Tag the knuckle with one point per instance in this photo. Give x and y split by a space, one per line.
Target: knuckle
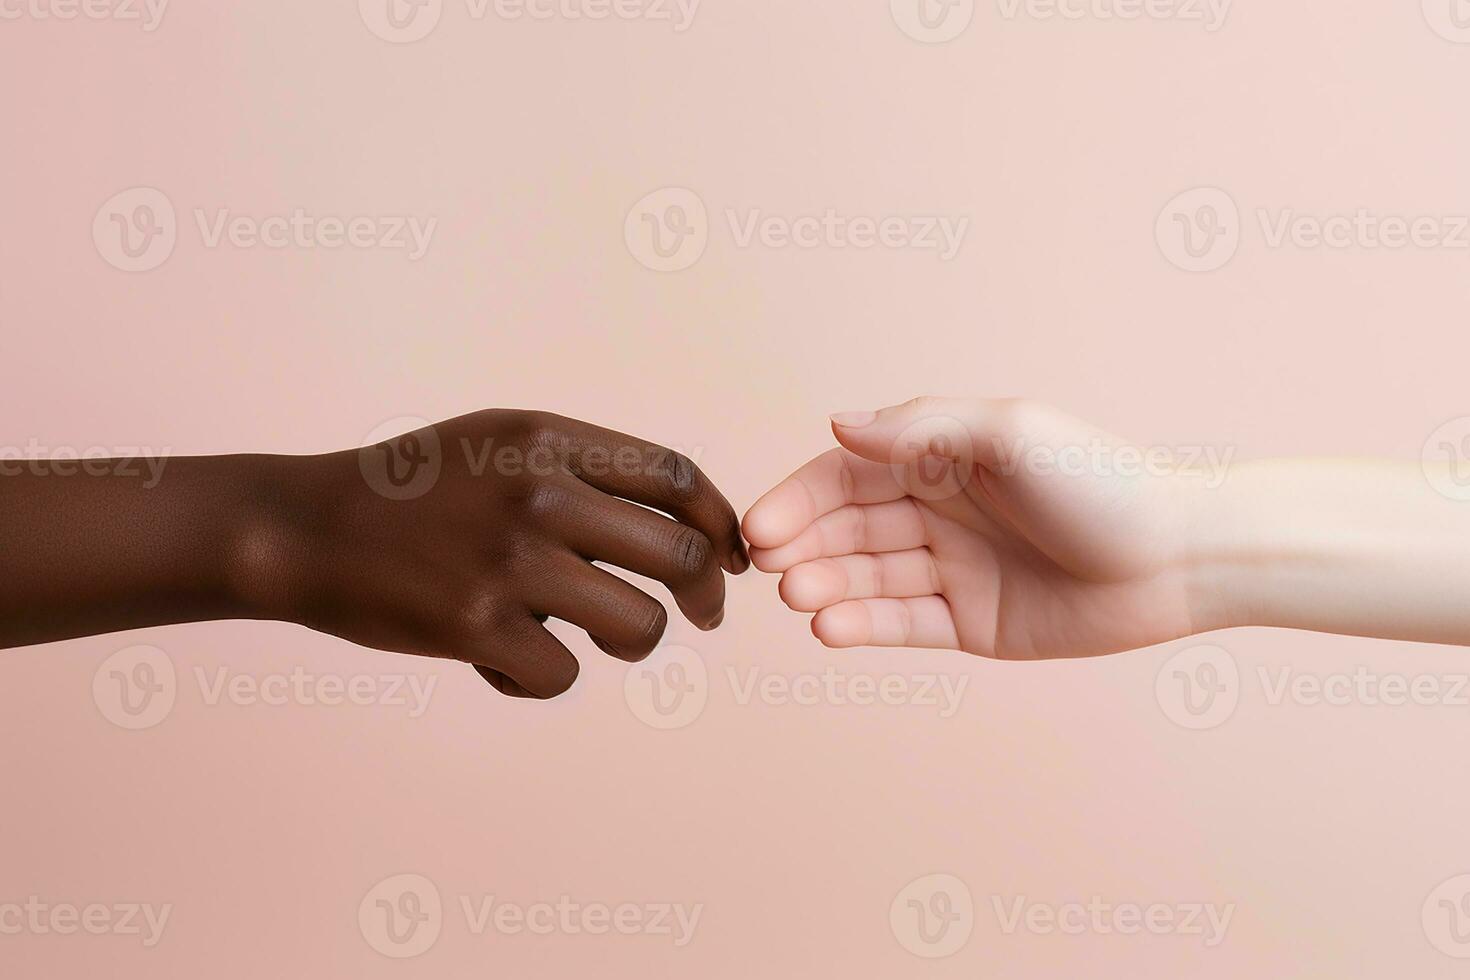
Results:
488 420
1013 417
905 621
680 477
546 501
925 405
541 430
859 518
878 573
517 551
845 475
1020 412
648 625
480 611
693 555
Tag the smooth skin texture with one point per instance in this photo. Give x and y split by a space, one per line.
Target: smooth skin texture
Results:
467 563
1008 529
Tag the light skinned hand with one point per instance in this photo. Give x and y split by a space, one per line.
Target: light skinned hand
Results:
1008 529
927 528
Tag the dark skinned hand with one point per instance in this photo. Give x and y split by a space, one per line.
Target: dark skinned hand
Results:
457 540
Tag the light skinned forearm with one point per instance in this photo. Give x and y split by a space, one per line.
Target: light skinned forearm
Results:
1359 547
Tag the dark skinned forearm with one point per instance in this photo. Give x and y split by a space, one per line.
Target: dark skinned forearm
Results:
121 544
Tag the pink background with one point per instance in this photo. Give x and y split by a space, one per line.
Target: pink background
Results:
794 825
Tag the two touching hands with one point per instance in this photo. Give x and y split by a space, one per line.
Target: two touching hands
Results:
999 527
910 533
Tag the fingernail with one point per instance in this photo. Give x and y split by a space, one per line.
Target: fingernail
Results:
720 618
854 420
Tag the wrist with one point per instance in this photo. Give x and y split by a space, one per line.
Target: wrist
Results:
1224 554
269 537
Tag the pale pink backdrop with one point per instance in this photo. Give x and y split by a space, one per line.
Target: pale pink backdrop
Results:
795 826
